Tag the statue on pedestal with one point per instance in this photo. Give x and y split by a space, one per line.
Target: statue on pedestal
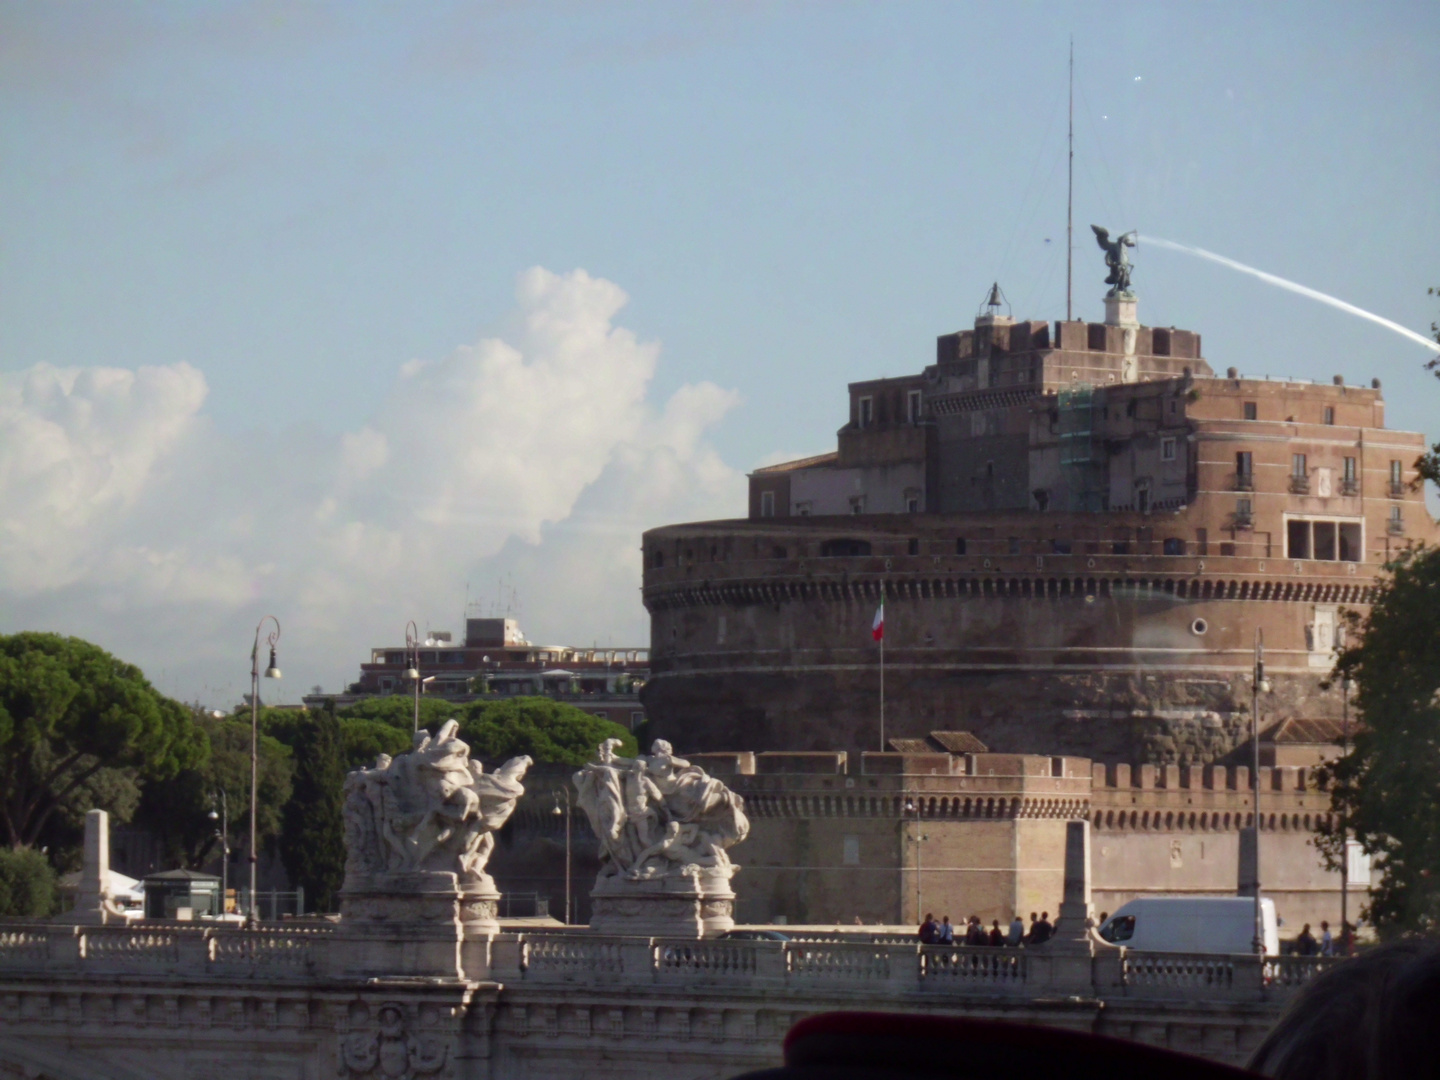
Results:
419 830
1116 259
664 826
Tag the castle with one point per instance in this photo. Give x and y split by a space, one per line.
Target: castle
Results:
1077 530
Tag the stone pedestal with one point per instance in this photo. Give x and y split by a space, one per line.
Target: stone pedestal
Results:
679 905
1120 310
94 905
401 925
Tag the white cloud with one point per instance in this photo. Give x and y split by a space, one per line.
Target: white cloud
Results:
125 517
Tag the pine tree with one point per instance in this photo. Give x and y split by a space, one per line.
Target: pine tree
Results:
312 844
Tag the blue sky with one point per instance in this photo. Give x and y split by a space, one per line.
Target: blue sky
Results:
296 201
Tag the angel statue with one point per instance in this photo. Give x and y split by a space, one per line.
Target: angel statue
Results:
659 816
1116 259
431 809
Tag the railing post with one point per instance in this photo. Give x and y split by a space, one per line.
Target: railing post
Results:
637 959
505 956
195 951
66 946
770 960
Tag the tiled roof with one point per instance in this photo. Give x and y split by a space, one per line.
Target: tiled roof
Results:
801 463
911 746
1297 729
958 742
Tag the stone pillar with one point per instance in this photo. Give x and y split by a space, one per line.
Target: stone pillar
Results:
93 905
1073 922
1248 878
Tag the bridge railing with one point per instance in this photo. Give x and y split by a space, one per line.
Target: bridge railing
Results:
843 966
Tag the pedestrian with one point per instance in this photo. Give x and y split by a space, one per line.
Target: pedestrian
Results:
975 933
1305 942
928 930
1043 929
946 933
1017 931
997 936
1327 940
1030 934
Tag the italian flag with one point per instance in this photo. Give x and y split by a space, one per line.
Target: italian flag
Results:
877 628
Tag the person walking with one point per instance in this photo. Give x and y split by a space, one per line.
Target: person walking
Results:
1017 931
997 936
1305 941
975 932
1034 925
1043 929
1327 940
946 933
928 930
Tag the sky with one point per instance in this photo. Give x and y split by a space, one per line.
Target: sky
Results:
353 313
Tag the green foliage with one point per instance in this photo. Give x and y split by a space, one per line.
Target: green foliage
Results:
1385 791
398 711
362 741
27 884
312 844
177 809
78 726
547 730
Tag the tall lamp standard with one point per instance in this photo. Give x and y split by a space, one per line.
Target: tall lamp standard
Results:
1261 685
566 811
224 835
252 917
1345 685
412 653
912 806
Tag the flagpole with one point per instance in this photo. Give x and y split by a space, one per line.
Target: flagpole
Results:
882 680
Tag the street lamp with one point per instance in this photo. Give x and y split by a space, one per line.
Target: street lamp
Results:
566 812
1261 685
912 807
1345 684
412 653
224 836
252 917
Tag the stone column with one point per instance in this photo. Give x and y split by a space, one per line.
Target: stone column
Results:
93 905
1248 876
1073 922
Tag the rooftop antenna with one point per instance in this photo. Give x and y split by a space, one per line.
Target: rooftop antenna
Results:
1070 188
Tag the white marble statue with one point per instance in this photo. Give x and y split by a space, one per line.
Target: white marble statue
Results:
659 816
431 809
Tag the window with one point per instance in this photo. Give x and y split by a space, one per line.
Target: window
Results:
1120 928
1250 410
767 504
1323 540
959 545
912 546
1397 479
1202 542
912 406
1350 469
1350 542
1060 547
850 850
1142 499
779 552
1357 864
1120 547
857 504
1297 540
1244 508
912 505
387 685
1244 463
844 549
867 411
1167 448
1174 546
803 509
1329 414
1160 342
601 714
1227 549
1297 464
1397 523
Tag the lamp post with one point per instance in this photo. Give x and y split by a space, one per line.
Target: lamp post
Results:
252 917
1259 686
1345 685
566 812
412 653
912 806
224 835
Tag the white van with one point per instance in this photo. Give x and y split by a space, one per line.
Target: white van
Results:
1198 924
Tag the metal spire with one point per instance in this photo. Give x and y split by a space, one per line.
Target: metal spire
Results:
1070 188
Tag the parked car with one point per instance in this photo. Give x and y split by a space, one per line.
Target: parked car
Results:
753 935
1192 924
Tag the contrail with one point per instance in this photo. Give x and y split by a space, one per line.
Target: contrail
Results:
1303 290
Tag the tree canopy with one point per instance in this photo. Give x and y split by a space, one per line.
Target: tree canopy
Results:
79 726
312 844
547 730
1385 791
